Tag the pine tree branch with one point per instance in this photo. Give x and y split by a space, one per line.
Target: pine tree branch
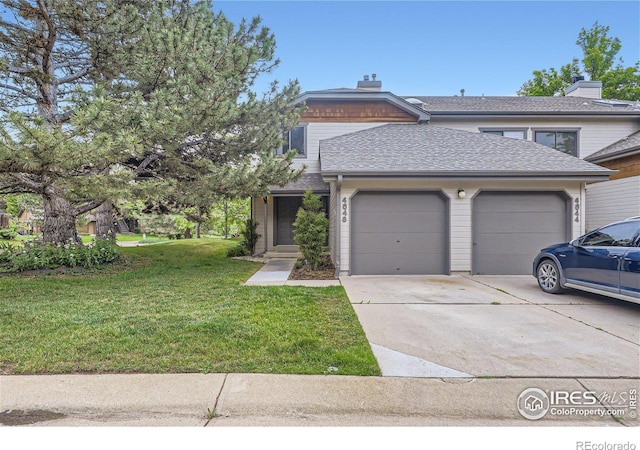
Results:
19 90
88 207
27 182
73 77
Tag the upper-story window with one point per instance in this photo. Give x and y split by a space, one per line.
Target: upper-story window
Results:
511 133
295 139
564 141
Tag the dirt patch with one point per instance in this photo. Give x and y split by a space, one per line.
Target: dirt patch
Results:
19 417
301 271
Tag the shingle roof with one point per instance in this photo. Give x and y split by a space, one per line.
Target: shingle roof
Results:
306 181
630 144
428 150
524 105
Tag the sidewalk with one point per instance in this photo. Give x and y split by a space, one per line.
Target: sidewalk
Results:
280 400
276 273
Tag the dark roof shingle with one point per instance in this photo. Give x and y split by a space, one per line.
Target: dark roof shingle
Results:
524 105
306 181
618 149
428 150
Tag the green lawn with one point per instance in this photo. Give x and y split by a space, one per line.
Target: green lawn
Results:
176 307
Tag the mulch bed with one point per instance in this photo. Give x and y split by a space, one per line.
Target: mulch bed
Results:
325 271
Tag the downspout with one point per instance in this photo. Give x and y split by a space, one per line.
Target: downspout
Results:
266 226
338 221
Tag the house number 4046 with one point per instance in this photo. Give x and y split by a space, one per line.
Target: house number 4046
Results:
344 209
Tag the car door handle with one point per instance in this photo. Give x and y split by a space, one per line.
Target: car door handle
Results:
614 256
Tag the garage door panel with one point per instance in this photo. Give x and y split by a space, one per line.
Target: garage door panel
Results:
398 202
399 233
397 242
510 264
532 202
495 242
519 222
385 222
511 228
400 263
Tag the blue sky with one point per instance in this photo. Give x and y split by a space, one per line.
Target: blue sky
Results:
432 47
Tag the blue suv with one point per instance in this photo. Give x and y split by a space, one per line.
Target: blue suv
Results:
605 261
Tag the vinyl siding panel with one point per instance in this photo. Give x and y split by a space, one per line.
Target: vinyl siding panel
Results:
333 218
613 200
319 131
594 133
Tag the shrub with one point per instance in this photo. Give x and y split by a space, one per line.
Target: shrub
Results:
7 251
250 236
310 229
38 255
238 250
8 234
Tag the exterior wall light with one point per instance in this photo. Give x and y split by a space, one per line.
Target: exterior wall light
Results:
461 193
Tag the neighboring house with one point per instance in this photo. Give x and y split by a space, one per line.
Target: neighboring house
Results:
619 198
434 185
30 224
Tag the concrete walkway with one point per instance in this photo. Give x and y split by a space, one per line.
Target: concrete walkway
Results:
276 273
284 400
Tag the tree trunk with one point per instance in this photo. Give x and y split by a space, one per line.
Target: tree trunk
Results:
105 226
226 220
198 223
59 226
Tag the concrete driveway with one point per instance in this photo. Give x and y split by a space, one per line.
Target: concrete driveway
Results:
493 326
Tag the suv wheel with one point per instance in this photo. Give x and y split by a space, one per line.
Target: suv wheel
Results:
549 277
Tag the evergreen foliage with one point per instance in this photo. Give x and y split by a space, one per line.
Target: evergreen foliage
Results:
310 229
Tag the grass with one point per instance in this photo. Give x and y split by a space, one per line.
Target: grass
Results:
176 307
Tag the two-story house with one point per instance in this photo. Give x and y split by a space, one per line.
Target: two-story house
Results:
434 185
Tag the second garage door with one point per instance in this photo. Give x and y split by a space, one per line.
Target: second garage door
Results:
509 229
399 233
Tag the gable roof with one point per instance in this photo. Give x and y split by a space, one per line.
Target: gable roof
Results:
624 147
527 105
431 151
306 181
366 94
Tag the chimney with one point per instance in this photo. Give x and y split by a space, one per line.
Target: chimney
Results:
585 89
371 85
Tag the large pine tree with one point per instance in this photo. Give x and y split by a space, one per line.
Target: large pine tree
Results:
97 96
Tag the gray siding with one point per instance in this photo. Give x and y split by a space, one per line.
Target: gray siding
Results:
613 200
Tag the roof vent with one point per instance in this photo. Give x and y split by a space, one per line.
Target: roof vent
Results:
417 102
614 103
576 79
371 85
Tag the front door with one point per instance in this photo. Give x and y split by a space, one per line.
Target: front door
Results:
286 210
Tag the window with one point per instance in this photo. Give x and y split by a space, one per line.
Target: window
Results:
564 141
294 140
619 235
516 134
